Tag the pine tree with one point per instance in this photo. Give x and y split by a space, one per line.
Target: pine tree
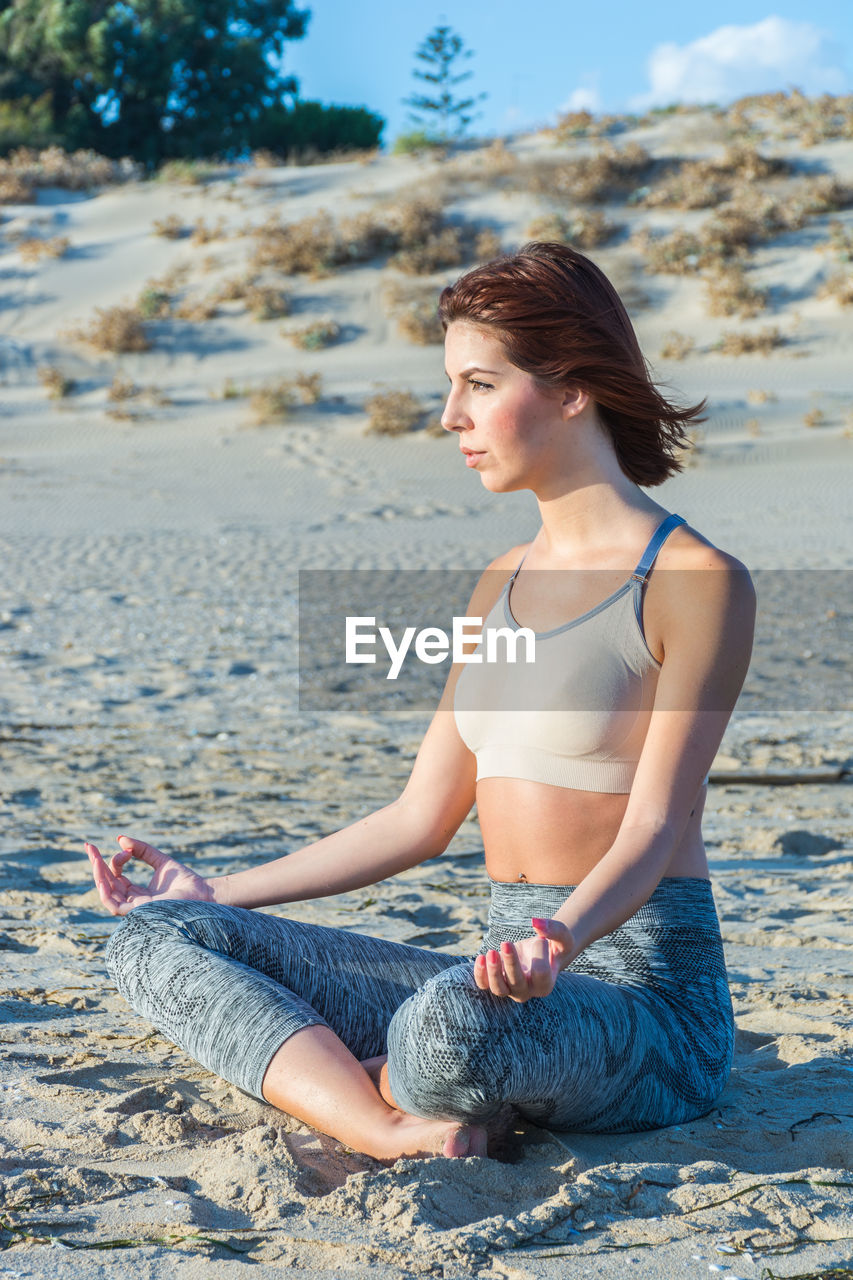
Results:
441 52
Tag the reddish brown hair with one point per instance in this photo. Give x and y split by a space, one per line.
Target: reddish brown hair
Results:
560 320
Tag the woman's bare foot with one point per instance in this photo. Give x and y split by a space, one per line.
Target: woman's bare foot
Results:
314 1077
412 1136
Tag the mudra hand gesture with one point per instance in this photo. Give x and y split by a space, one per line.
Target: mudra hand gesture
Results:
527 968
171 879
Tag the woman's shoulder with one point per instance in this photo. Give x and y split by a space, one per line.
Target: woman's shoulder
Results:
687 548
691 568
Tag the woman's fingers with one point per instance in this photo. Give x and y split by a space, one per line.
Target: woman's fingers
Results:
494 968
481 976
112 894
131 848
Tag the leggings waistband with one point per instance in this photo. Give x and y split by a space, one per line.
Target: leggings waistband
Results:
677 900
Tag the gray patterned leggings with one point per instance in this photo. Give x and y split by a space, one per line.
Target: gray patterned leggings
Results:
637 1033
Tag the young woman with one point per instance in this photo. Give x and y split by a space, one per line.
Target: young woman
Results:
598 1000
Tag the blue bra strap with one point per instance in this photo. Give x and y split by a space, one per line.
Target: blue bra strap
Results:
656 541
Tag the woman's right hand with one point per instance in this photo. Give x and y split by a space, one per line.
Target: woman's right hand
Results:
171 879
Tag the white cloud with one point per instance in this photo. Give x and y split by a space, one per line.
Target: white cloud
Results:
584 98
732 61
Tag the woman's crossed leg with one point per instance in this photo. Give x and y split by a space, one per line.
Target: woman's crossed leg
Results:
285 1011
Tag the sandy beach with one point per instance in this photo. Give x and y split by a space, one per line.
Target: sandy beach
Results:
149 660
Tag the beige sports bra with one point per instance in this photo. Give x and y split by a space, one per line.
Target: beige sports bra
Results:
578 715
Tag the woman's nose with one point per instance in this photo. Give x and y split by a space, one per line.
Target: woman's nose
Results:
453 419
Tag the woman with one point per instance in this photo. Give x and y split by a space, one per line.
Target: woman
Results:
598 1000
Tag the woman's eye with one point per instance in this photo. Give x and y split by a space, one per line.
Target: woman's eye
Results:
479 386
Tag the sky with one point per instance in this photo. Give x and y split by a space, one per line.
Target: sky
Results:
535 58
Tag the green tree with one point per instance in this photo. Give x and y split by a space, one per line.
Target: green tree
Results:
440 54
149 78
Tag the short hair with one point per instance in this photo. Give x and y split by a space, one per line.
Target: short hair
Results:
560 320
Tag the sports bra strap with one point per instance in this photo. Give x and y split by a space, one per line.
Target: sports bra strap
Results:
656 541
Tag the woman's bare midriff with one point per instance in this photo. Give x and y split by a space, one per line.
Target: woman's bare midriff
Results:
554 835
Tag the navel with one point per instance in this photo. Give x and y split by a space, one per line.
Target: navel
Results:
522 877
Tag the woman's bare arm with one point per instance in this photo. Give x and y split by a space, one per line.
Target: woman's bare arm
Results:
707 622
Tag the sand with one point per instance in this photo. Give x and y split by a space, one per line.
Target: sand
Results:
148 677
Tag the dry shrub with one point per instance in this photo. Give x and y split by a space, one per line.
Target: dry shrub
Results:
729 293
122 388
173 280
676 346
758 396
415 307
680 253
322 333
33 250
435 254
839 287
814 418
808 120
235 288
420 325
272 402
487 245
751 217
264 159
129 402
585 230
197 310
305 247
825 194
154 303
56 383
169 228
308 387
15 190
232 391
203 234
608 174
414 220
119 329
752 427
25 170
362 238
265 302
702 184
840 241
393 413
413 230
574 124
495 160
192 173
747 344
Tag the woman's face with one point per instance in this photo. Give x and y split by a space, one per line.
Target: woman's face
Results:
511 430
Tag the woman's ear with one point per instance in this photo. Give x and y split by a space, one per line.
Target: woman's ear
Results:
575 400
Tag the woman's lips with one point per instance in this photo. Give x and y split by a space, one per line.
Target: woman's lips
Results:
472 457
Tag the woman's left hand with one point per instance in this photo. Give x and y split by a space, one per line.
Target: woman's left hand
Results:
528 968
